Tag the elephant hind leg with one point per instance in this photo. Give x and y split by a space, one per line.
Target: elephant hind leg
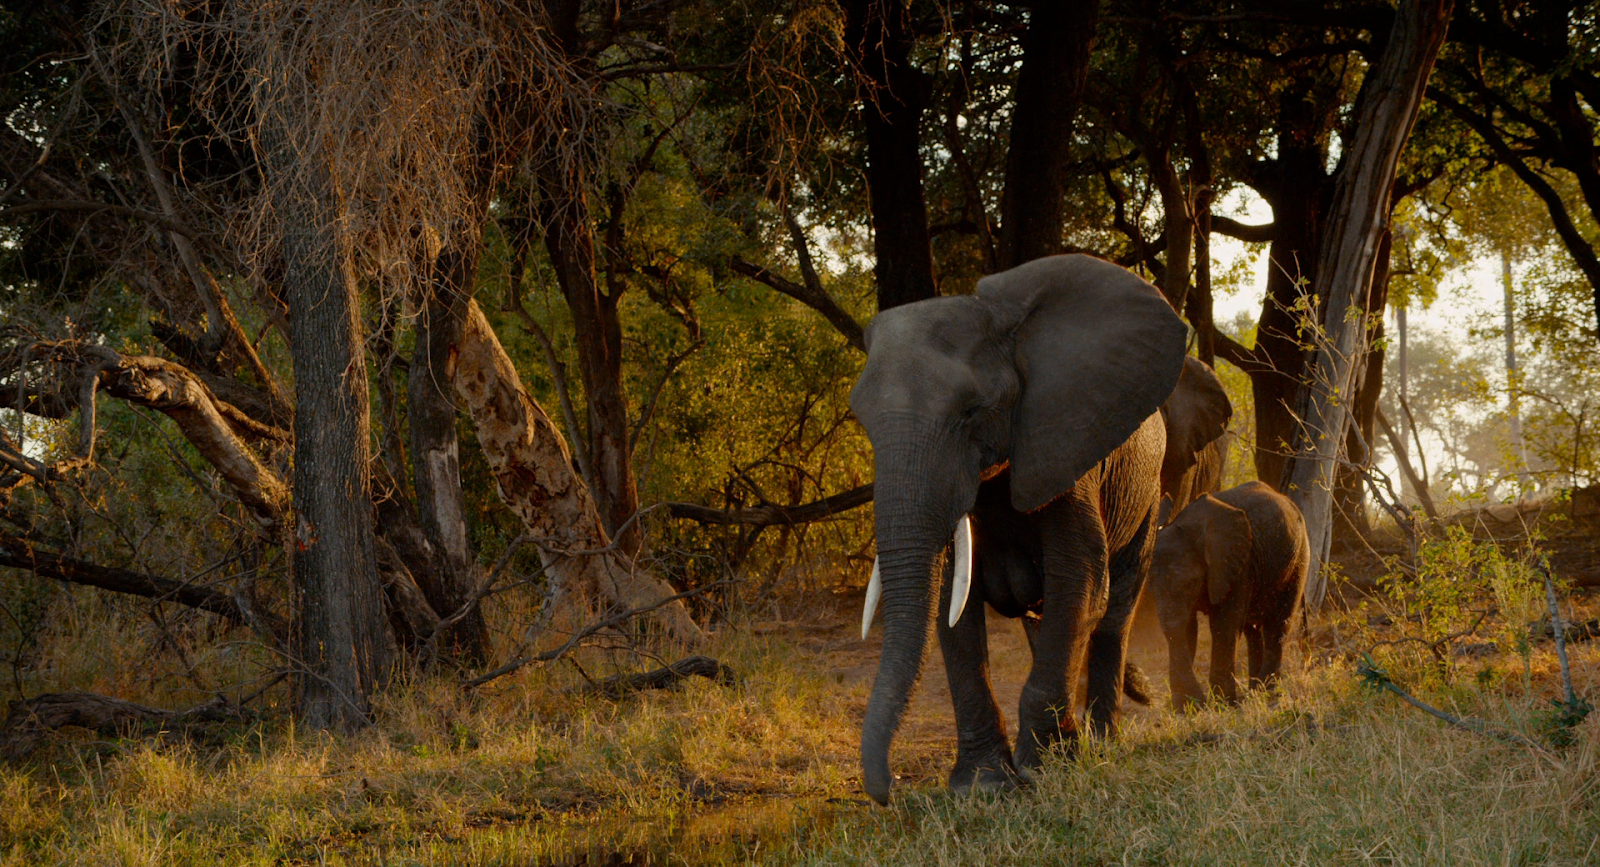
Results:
1108 646
1257 650
1273 637
1224 641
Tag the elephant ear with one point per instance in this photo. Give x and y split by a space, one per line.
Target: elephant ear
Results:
1097 350
1196 414
1228 541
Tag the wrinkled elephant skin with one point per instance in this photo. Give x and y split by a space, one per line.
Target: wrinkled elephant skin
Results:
1030 406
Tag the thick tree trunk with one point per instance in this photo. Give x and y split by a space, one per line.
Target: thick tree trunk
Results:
1055 63
569 239
1298 197
342 644
533 472
1351 523
878 37
435 454
1386 110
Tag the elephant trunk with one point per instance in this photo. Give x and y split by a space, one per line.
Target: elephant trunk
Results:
914 525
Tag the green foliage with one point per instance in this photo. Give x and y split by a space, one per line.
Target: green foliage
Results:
1452 572
1558 723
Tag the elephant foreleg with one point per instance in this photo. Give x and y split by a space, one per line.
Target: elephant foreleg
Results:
983 757
1181 641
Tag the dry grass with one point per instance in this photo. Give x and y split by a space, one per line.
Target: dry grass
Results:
443 778
1330 775
531 772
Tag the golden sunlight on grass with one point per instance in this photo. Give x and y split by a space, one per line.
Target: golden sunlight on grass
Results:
533 771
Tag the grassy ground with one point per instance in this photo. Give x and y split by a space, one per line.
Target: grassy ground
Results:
532 772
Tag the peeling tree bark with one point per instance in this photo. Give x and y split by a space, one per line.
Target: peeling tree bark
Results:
533 472
210 425
436 456
1343 273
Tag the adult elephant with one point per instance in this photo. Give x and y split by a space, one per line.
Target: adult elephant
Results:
1195 416
1030 407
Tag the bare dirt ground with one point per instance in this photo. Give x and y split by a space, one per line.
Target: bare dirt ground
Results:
925 744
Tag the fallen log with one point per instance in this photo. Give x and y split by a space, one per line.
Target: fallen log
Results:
30 721
1571 632
765 516
666 677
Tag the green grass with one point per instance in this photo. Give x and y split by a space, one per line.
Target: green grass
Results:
531 772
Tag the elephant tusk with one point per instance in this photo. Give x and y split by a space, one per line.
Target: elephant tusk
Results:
874 590
963 577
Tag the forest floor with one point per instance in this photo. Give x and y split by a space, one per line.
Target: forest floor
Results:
535 770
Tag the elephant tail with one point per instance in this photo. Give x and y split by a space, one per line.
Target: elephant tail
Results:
1135 684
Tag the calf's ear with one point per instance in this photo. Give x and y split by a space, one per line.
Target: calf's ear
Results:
1227 547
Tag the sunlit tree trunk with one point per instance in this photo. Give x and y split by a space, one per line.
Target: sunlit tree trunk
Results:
1519 447
1385 112
533 473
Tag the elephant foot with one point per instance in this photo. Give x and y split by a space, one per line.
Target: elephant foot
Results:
1042 723
1135 684
990 774
1033 743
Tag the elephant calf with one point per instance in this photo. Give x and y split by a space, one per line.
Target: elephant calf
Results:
1239 557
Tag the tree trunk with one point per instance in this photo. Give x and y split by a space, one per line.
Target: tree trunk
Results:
878 37
533 472
341 641
1055 63
569 239
1298 198
435 453
1350 497
1519 447
1385 112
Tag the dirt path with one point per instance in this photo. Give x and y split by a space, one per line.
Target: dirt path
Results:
925 744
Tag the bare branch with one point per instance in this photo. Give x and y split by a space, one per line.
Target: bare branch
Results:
20 553
820 302
1243 231
762 516
604 623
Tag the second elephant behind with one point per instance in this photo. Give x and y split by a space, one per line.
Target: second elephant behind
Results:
1240 558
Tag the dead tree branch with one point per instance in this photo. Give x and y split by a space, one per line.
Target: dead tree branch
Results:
763 516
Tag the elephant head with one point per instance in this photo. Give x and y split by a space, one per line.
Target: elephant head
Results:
1196 416
1202 553
1048 368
